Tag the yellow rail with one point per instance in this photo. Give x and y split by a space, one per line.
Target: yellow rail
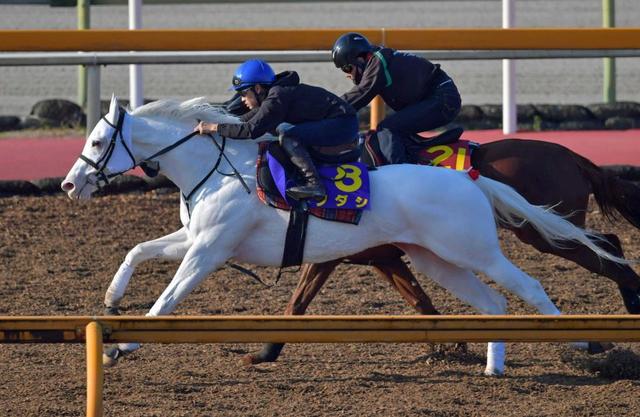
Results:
316 39
324 329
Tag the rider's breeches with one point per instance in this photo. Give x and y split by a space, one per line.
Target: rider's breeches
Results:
438 109
326 132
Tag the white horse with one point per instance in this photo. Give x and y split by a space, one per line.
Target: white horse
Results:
442 219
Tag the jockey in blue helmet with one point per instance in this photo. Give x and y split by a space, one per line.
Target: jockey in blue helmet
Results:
250 74
301 115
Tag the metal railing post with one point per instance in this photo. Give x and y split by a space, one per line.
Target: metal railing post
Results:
509 106
93 97
609 70
136 94
377 112
95 373
84 22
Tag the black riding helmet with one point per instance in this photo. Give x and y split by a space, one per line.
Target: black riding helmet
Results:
348 48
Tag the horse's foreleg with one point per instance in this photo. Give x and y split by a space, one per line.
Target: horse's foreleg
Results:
311 280
198 263
173 246
396 272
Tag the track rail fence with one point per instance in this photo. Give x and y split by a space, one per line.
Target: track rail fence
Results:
96 330
462 43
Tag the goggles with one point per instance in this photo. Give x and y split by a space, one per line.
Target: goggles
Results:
347 69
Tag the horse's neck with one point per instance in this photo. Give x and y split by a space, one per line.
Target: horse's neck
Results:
189 163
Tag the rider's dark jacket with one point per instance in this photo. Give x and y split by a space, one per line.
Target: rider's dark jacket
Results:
400 78
287 101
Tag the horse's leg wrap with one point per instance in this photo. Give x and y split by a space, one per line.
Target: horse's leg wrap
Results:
631 299
118 285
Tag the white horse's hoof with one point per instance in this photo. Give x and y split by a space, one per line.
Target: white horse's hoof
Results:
493 372
111 356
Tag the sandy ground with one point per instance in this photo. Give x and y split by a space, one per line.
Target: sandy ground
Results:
57 257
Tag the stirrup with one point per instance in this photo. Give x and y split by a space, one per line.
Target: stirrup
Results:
302 192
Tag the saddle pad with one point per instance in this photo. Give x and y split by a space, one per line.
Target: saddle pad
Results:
269 194
455 155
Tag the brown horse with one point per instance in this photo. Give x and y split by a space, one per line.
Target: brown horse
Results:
545 174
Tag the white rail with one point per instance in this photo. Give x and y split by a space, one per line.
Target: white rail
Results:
93 61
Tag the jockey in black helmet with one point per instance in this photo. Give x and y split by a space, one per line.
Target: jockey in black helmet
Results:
300 114
422 95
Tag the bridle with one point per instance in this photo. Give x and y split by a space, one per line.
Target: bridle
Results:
103 176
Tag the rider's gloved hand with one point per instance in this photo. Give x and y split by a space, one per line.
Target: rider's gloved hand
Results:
203 128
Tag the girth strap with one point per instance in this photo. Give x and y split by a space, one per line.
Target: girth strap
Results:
296 234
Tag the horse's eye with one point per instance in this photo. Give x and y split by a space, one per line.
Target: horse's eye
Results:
95 144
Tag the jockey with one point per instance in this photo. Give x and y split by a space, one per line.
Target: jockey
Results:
300 114
422 95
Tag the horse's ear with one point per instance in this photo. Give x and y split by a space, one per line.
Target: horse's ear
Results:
113 114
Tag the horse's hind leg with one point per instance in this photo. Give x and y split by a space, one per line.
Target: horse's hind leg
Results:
623 275
400 277
173 246
312 279
396 272
314 276
467 287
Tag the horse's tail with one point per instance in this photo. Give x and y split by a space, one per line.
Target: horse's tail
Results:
513 209
612 193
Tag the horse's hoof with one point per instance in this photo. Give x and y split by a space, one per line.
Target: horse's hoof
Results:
461 347
493 372
251 359
111 311
111 356
599 347
631 300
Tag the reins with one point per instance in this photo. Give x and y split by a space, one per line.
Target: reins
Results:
104 178
101 164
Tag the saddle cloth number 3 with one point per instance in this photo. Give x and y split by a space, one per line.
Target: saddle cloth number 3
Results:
347 187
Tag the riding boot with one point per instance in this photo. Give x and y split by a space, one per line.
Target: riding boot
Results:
312 187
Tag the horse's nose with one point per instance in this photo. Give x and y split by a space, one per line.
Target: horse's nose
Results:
67 186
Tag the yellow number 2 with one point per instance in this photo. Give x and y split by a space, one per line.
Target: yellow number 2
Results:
446 153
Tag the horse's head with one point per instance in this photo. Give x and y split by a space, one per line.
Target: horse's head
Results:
106 154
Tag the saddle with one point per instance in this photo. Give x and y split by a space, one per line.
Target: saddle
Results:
271 194
340 154
445 149
444 138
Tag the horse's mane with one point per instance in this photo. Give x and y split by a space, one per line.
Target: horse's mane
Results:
186 111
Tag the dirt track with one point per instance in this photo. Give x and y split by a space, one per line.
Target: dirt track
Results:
57 257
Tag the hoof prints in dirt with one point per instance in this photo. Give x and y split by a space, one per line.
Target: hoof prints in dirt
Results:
614 365
57 257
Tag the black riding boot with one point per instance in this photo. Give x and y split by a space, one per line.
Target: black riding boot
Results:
313 187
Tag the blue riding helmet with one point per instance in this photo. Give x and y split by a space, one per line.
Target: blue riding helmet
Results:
252 72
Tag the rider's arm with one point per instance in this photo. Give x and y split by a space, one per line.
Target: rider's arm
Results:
249 115
372 82
265 119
